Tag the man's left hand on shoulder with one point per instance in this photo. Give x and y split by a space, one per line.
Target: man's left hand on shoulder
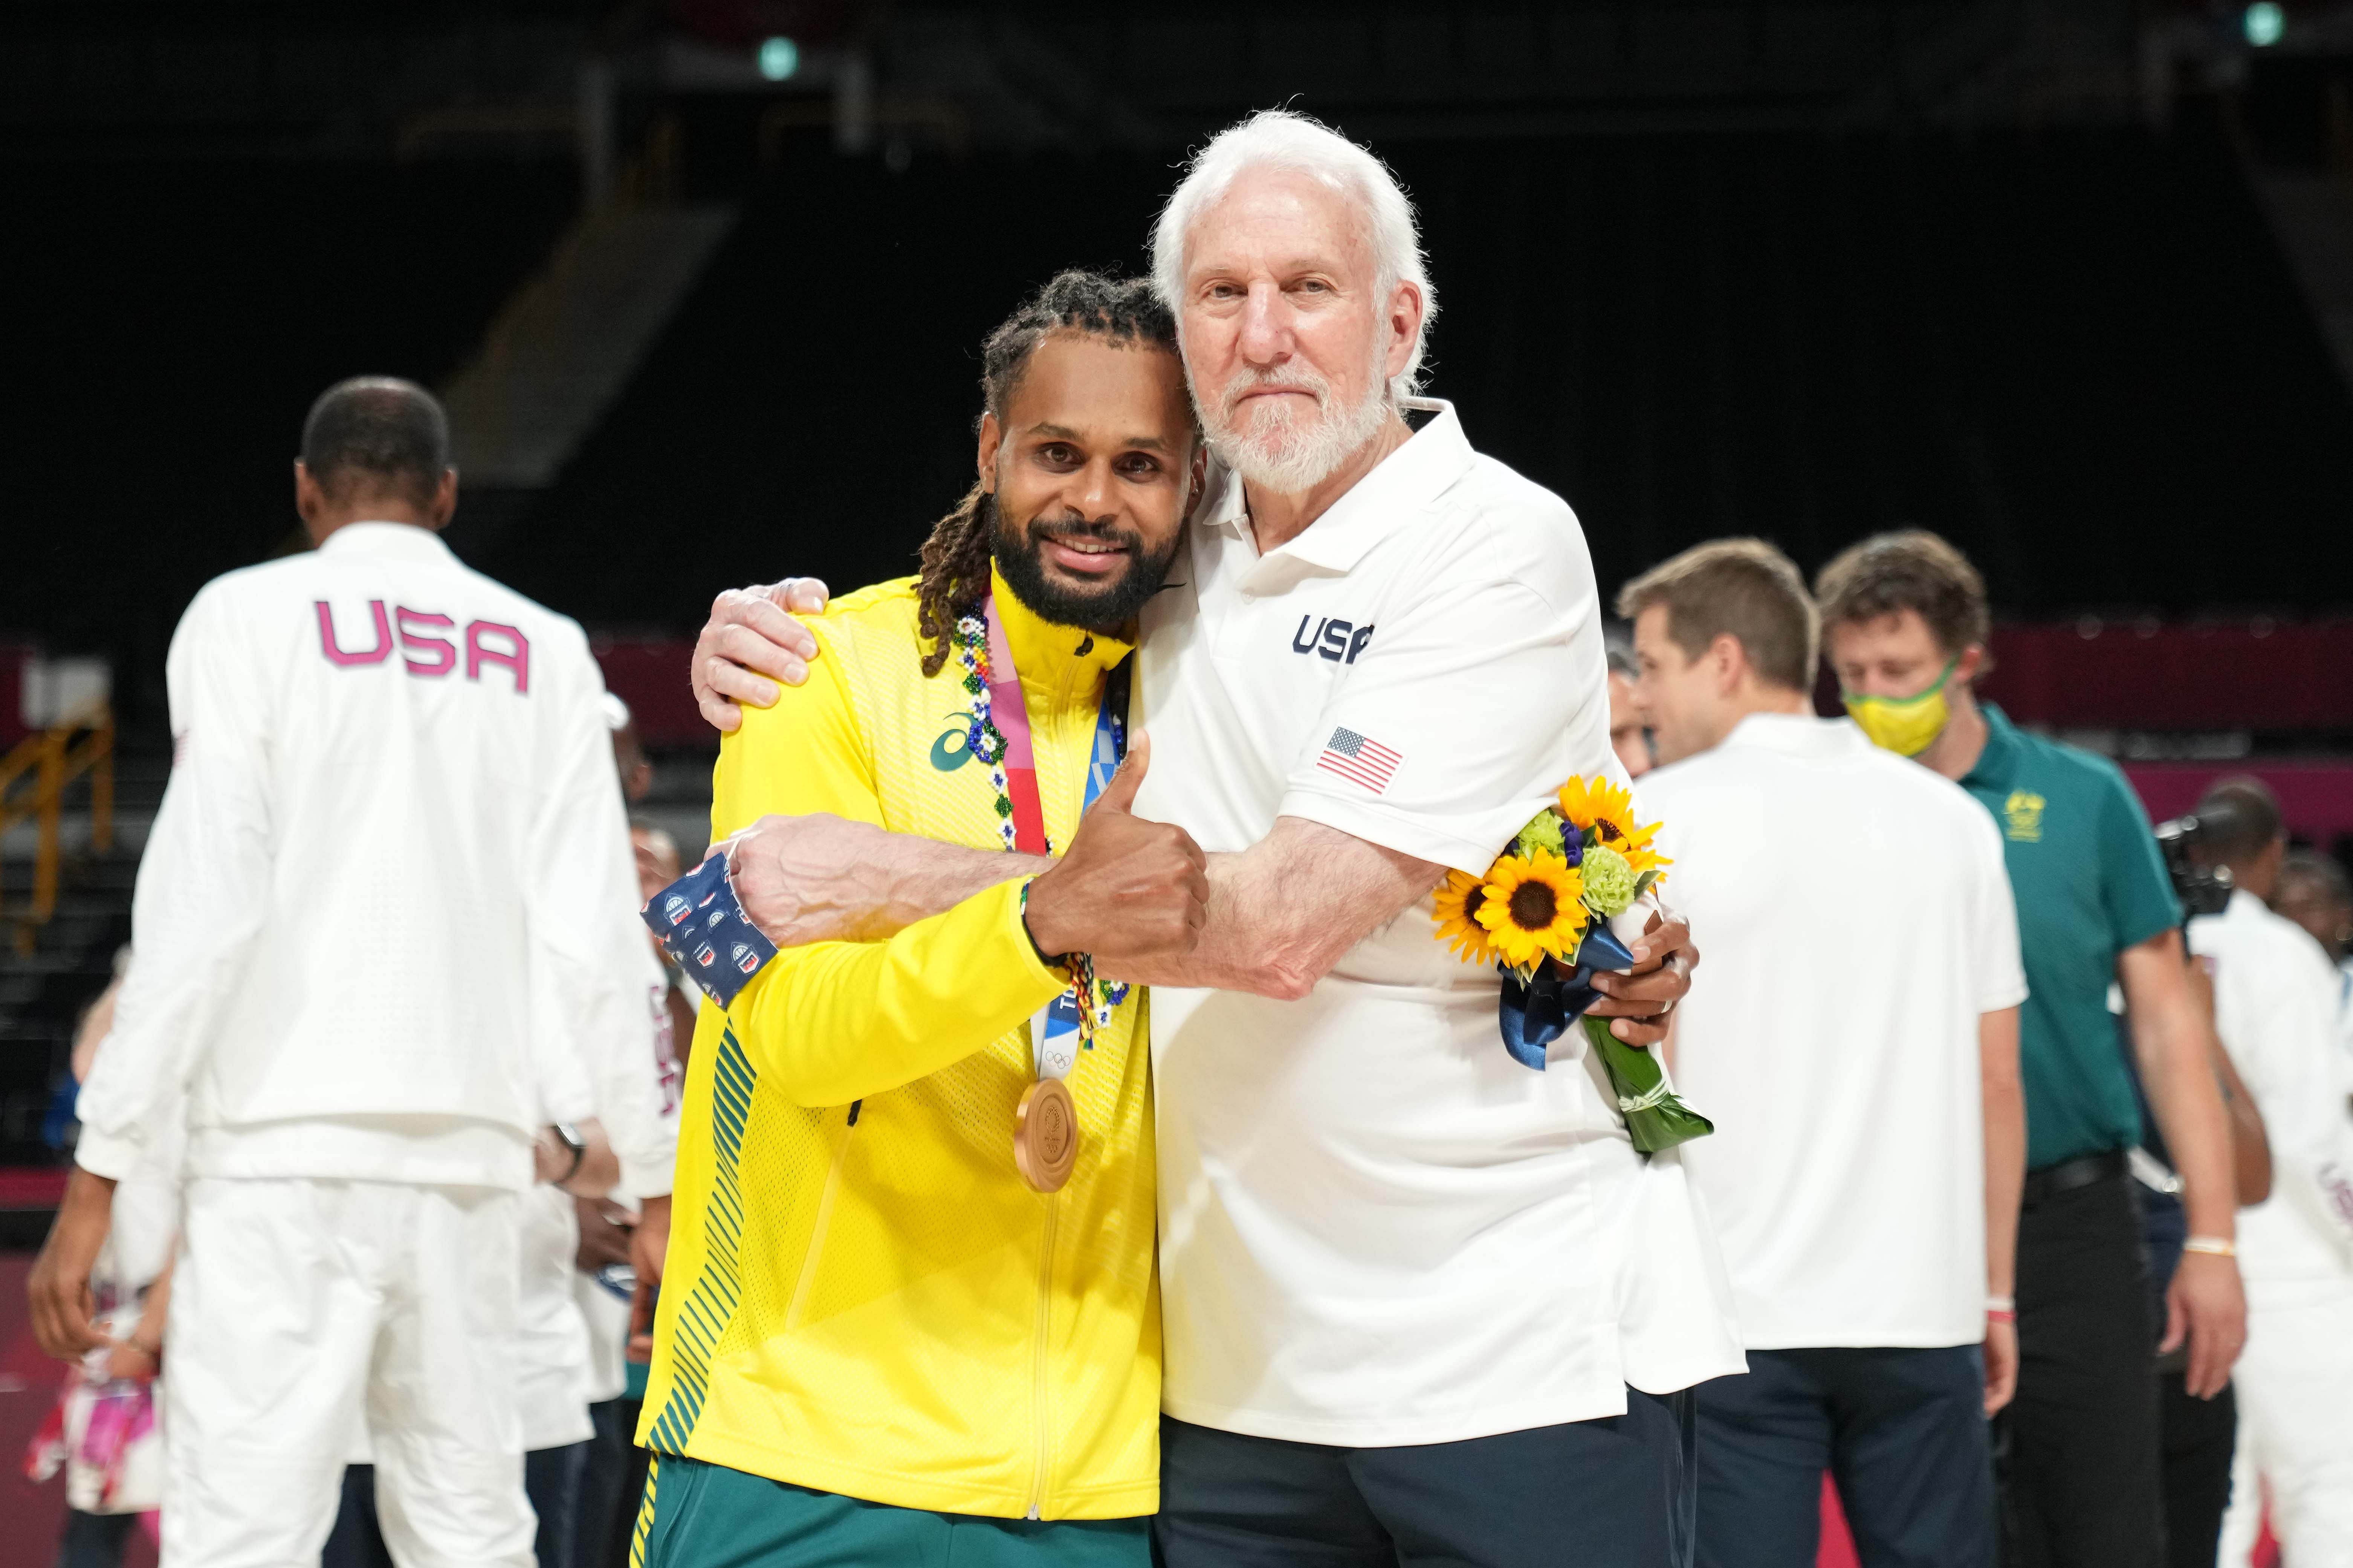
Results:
752 646
1640 1000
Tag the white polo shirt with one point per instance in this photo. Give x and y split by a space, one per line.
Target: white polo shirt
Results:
2275 1006
1376 1228
1846 1176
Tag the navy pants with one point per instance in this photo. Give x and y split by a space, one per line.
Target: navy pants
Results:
612 1484
1609 1494
551 1478
1904 1431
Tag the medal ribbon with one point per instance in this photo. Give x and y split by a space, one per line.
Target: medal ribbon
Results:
1011 711
1068 1023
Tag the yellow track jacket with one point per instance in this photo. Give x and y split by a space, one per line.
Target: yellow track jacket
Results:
861 1294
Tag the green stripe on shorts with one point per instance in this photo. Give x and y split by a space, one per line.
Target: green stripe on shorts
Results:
645 1515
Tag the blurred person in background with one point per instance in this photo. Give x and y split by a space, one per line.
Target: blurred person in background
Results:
2196 1436
384 930
2315 893
552 1378
636 768
562 1369
2276 1007
659 865
1627 736
578 1282
2312 890
603 1279
1906 621
103 1432
1865 1174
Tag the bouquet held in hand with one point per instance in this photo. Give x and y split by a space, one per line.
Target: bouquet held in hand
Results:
1542 914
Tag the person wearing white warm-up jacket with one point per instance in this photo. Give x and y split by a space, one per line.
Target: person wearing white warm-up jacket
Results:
387 956
2275 1008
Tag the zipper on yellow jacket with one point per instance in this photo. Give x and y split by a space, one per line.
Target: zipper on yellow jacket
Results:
1042 1363
815 1256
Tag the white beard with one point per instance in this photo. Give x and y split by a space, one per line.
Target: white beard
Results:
1285 453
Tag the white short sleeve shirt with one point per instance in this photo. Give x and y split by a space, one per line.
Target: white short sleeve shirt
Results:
1846 1175
1377 1228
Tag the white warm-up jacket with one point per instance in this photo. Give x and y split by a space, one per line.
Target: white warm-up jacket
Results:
2275 1006
387 919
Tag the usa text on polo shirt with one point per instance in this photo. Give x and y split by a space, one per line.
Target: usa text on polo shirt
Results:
1376 1228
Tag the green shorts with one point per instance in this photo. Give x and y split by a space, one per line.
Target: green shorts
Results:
698 1515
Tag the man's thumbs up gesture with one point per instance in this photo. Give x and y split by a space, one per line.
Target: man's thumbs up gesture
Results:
1127 889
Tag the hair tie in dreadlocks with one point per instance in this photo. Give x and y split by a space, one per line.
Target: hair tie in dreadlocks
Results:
956 558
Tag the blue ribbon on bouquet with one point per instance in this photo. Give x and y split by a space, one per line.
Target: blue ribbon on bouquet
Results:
1534 1013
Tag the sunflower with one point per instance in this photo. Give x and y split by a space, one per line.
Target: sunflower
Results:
1532 909
1457 903
1607 809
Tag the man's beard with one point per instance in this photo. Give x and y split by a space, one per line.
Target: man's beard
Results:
1017 551
1287 453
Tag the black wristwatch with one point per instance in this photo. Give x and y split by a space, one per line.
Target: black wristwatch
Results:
569 1136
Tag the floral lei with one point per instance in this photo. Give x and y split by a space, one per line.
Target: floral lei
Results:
986 743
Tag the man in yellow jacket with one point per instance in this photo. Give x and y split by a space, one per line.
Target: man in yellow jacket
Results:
906 1315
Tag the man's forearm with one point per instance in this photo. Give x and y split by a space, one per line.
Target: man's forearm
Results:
2189 1105
1279 914
2172 1046
2004 1107
824 878
1282 912
920 879
1239 950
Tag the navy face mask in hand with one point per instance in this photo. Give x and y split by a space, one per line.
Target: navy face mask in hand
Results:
702 928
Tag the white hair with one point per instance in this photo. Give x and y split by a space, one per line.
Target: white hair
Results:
1284 139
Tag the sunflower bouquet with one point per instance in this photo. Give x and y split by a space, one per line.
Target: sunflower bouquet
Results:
1543 914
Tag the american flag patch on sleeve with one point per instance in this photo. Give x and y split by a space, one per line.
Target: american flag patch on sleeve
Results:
1359 760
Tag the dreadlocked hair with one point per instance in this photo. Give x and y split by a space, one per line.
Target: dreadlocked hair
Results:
955 577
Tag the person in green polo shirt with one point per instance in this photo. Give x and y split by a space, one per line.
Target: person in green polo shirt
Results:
1905 619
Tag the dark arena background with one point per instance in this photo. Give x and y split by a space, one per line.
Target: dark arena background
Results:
702 282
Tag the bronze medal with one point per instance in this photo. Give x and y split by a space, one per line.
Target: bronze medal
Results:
1046 1135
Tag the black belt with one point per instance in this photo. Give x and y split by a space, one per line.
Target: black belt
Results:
2083 1171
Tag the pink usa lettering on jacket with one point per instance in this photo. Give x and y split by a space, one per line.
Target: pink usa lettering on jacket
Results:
423 653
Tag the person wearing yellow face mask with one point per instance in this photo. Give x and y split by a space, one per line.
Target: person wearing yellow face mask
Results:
1904 725
1906 621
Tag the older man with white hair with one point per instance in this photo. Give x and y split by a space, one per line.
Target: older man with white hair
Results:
1421 1304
